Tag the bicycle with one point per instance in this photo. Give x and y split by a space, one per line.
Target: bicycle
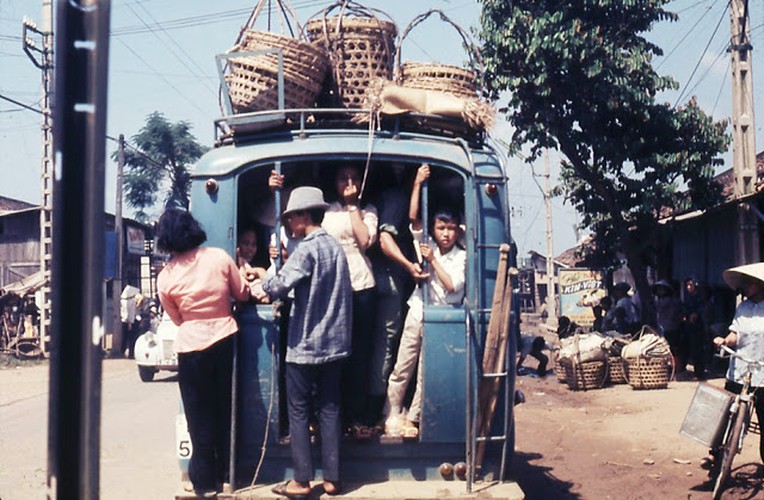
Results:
738 425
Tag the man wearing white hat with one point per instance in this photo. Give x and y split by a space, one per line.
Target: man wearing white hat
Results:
318 338
747 332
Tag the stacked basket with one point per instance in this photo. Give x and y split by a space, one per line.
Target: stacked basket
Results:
438 77
360 45
253 79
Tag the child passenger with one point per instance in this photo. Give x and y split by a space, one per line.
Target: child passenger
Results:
446 265
246 250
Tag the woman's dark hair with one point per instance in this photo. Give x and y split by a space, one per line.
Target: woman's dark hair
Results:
178 231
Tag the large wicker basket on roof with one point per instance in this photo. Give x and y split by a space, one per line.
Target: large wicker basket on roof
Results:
360 45
456 80
253 79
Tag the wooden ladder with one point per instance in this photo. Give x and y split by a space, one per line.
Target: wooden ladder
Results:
494 371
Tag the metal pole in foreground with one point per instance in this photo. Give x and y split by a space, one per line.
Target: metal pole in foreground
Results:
82 48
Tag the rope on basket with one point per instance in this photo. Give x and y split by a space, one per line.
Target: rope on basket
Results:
469 44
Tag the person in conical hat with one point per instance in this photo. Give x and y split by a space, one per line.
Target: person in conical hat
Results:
746 333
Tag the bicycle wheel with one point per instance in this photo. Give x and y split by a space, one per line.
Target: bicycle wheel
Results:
730 448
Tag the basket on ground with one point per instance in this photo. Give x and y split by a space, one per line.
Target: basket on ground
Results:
616 371
253 79
361 49
559 371
585 376
648 373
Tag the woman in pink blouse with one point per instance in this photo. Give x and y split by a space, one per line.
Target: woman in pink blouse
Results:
196 289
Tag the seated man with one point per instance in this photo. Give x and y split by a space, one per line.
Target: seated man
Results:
533 345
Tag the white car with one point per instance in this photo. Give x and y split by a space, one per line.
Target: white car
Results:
155 351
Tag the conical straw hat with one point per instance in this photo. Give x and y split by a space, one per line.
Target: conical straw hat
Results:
737 276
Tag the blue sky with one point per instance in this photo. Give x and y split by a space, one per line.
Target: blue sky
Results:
162 59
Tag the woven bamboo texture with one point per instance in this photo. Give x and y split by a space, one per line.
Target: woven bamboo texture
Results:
440 78
253 80
616 370
361 50
648 373
456 80
585 376
559 371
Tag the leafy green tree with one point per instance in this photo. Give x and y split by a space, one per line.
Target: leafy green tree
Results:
580 81
161 156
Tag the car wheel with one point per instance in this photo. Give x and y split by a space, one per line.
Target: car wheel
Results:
146 373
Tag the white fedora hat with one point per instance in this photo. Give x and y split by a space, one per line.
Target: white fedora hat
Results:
737 276
305 198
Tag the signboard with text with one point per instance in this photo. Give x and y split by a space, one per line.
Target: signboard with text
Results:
579 291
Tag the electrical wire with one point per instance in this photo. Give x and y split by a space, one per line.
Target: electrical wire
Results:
686 35
167 81
721 87
137 151
681 95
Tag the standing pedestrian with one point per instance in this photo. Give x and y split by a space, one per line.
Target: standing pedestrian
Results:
693 329
196 289
746 333
317 341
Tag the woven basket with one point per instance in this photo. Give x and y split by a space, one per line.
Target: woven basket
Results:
648 373
616 371
559 371
253 80
361 49
585 376
439 78
455 80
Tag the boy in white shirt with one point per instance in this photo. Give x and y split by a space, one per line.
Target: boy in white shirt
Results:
445 282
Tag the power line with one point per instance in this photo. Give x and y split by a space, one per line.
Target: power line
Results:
18 103
681 94
137 151
686 35
167 81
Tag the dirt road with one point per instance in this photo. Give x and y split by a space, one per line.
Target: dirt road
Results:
617 443
609 443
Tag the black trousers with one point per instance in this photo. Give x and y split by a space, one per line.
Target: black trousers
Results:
205 388
303 381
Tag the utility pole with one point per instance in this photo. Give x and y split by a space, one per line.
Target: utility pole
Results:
743 131
116 290
43 59
551 295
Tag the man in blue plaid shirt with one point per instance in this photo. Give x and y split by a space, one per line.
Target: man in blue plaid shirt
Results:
317 340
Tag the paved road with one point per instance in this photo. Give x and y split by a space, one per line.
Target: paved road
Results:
137 433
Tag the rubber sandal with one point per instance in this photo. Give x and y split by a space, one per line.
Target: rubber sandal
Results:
361 432
332 488
281 490
409 431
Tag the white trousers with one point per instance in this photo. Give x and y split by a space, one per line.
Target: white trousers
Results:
405 364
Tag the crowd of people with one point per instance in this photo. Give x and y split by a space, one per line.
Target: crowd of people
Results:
349 272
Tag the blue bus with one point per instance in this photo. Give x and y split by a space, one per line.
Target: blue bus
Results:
230 189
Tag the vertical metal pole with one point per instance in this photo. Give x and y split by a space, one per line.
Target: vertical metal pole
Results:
82 48
743 130
116 290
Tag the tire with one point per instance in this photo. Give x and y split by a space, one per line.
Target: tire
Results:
146 373
730 449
